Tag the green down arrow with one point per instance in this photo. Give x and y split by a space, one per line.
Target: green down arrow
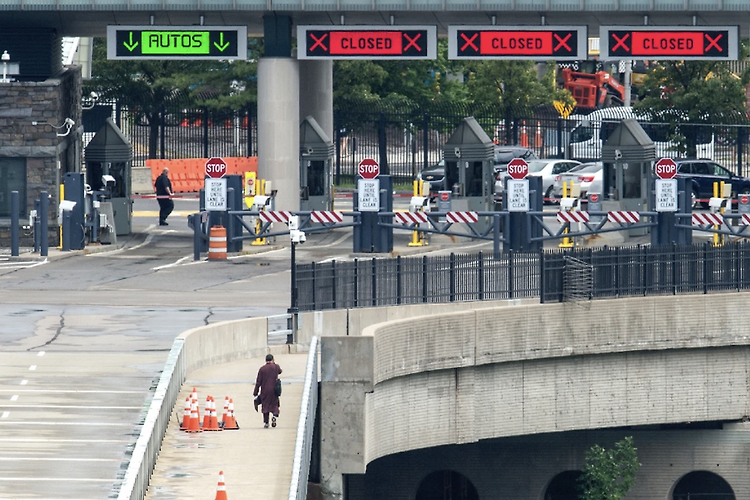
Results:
131 46
221 45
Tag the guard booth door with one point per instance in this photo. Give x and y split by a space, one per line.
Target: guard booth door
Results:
315 185
472 183
119 194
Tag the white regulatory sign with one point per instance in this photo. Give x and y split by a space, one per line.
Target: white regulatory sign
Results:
216 194
368 195
666 195
518 195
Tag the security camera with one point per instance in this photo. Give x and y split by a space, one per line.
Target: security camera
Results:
297 236
69 122
94 95
310 151
108 180
457 152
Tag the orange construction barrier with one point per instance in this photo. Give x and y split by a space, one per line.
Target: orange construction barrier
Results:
524 141
194 425
230 424
186 415
217 243
221 489
193 171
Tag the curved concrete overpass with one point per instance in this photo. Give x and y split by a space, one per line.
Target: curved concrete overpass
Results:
479 375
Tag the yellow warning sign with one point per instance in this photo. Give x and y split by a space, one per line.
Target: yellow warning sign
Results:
250 188
564 109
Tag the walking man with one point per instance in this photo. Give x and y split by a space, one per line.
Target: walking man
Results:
163 192
266 385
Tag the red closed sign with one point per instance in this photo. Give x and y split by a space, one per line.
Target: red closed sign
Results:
368 169
216 168
518 168
665 168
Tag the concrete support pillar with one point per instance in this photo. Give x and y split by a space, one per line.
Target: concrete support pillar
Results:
278 128
316 93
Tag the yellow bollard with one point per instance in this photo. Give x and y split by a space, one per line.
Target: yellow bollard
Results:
258 222
566 242
417 237
718 190
62 197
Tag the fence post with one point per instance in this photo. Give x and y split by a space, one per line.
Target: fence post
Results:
542 273
561 148
674 269
374 276
705 268
481 275
424 279
510 275
356 284
383 146
741 131
453 277
496 235
205 133
398 280
337 135
426 139
162 132
333 285
314 287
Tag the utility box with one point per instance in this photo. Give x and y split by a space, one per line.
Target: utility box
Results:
316 153
469 169
109 153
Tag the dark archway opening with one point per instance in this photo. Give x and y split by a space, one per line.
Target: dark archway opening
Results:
702 485
563 486
446 485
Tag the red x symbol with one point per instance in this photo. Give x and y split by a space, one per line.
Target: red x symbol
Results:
562 42
469 41
412 42
319 42
621 42
713 43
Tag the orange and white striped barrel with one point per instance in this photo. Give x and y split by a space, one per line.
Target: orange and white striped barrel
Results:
217 243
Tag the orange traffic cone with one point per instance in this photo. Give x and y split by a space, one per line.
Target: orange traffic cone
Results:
194 425
230 423
194 397
538 136
186 415
213 421
221 489
207 414
524 135
226 411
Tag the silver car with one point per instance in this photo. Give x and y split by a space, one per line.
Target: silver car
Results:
587 176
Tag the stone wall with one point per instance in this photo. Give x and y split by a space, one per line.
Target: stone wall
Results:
29 113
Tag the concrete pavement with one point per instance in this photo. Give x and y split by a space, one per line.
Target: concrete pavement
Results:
257 462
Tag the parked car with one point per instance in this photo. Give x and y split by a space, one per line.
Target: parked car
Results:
586 175
503 154
548 170
702 175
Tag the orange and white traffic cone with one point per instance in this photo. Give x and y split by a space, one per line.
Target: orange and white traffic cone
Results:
221 489
524 135
538 136
194 425
226 411
207 414
186 415
213 421
230 424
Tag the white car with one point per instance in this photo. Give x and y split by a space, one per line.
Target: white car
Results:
547 169
587 176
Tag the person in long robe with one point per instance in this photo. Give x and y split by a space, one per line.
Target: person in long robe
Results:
264 384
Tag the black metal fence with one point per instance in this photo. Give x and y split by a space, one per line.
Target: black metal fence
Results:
551 276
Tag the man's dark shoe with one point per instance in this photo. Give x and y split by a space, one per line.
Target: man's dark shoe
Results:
163 223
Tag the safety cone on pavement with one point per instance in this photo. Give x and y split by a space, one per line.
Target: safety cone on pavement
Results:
194 425
524 135
213 420
194 397
186 415
230 423
538 136
221 489
226 411
207 414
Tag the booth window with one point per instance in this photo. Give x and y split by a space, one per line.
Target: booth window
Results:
12 178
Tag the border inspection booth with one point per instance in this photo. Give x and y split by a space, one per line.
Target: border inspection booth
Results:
628 156
108 157
469 168
316 154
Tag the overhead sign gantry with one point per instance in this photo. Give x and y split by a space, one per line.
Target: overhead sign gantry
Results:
518 42
177 42
670 42
366 42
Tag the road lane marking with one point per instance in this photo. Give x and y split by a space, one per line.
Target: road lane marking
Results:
23 382
14 397
32 368
41 353
5 414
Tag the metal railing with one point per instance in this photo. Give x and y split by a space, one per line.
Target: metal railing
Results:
305 427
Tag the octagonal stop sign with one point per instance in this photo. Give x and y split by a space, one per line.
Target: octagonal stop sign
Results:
518 168
665 168
216 168
368 169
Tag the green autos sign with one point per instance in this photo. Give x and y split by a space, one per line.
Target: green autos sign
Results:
176 42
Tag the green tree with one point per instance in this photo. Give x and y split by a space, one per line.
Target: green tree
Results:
147 85
609 474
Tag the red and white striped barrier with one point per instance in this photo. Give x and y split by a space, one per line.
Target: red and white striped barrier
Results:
572 216
746 219
624 217
461 217
326 216
275 216
707 219
410 217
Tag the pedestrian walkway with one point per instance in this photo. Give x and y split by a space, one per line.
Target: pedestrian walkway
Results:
257 462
